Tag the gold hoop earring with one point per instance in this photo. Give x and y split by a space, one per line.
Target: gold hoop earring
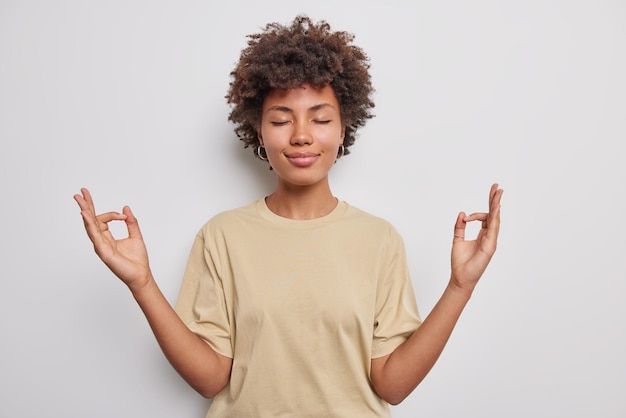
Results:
262 155
341 151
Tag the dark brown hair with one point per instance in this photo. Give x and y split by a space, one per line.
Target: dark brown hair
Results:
286 57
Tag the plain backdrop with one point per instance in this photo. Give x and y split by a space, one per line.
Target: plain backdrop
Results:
127 98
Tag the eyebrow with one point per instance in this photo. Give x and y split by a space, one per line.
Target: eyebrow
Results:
289 110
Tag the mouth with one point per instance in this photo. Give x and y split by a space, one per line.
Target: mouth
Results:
302 159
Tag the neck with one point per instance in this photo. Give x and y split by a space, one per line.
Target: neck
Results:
301 203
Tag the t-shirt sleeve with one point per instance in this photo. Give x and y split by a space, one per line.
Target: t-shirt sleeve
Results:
201 301
396 316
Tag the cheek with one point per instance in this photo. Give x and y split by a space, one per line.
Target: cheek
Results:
334 138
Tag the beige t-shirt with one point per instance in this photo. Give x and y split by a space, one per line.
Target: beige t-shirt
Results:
301 307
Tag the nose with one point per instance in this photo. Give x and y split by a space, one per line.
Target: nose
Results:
301 134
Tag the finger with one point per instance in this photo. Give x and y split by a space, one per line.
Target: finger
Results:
87 201
459 227
103 219
110 216
492 224
495 195
82 203
495 200
477 216
483 218
492 192
88 211
95 225
132 224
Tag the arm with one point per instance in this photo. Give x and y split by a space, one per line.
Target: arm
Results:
396 375
204 369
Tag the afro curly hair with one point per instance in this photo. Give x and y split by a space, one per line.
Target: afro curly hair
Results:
287 57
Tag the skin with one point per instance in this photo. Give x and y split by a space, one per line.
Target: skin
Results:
396 375
301 130
204 369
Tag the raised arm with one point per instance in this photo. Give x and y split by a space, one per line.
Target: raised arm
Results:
204 369
396 375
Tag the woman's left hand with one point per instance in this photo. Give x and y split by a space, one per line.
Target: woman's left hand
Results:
471 257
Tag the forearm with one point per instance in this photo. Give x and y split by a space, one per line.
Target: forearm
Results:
204 369
395 376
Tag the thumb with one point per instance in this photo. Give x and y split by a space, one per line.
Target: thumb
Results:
459 227
131 224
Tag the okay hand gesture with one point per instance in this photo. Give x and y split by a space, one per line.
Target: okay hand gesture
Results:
471 257
127 258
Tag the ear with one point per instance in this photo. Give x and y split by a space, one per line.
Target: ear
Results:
260 137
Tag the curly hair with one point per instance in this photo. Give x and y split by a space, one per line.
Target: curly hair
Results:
287 57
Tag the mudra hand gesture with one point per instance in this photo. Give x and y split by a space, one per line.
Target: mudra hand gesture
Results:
127 258
471 257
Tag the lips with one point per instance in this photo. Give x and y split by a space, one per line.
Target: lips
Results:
302 159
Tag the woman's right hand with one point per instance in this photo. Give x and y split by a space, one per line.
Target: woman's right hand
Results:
127 258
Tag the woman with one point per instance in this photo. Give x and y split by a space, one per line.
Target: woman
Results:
298 304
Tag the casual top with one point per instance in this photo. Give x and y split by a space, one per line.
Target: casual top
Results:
301 306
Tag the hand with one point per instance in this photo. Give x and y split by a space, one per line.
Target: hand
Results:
127 258
470 258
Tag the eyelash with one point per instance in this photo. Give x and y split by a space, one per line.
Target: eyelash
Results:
321 122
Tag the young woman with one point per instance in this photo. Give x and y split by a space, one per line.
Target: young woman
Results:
298 304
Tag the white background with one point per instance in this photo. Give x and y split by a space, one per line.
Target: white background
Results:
127 98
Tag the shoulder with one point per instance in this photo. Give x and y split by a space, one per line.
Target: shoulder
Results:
367 221
228 219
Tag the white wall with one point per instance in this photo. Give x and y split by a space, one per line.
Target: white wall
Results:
126 98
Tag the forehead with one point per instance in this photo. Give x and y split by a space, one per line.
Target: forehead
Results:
303 97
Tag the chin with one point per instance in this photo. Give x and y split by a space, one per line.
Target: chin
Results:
301 181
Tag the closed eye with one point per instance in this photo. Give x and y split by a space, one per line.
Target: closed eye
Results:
322 122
